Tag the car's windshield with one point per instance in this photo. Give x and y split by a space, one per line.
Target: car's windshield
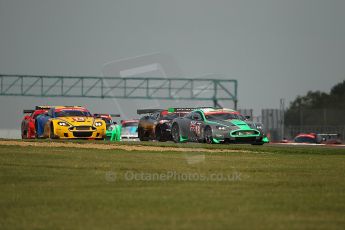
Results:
130 124
73 113
224 116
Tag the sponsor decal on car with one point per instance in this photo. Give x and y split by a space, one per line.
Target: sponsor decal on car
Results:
78 119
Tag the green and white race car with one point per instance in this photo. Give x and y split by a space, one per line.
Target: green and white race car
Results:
217 126
113 132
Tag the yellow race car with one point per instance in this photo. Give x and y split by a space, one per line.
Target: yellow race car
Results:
68 122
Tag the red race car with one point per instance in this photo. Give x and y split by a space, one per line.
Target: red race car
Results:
315 138
28 128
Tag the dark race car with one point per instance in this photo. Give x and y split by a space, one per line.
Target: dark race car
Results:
156 125
28 126
215 126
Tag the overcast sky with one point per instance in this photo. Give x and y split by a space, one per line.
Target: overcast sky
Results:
274 48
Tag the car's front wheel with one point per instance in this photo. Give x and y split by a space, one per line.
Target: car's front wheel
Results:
24 134
208 135
141 134
175 133
52 133
160 134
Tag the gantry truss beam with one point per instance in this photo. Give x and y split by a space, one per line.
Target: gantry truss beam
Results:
116 87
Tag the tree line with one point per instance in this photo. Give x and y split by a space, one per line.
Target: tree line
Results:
318 108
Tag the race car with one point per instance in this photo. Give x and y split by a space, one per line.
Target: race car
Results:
157 124
113 130
129 130
217 125
314 138
107 118
311 138
68 122
28 125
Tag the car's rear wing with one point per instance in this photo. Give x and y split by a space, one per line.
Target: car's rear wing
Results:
46 107
170 110
127 121
26 111
43 107
106 114
181 110
146 111
329 135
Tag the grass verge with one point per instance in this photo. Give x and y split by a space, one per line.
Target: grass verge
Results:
264 188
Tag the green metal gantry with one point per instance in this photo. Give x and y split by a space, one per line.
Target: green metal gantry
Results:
117 87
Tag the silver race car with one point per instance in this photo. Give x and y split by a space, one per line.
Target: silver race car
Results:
217 125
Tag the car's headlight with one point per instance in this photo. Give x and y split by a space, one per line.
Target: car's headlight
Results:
110 128
62 123
97 123
221 127
259 126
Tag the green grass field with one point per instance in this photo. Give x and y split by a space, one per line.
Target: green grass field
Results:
268 188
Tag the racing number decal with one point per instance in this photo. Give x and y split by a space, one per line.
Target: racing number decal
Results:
192 126
78 118
195 127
